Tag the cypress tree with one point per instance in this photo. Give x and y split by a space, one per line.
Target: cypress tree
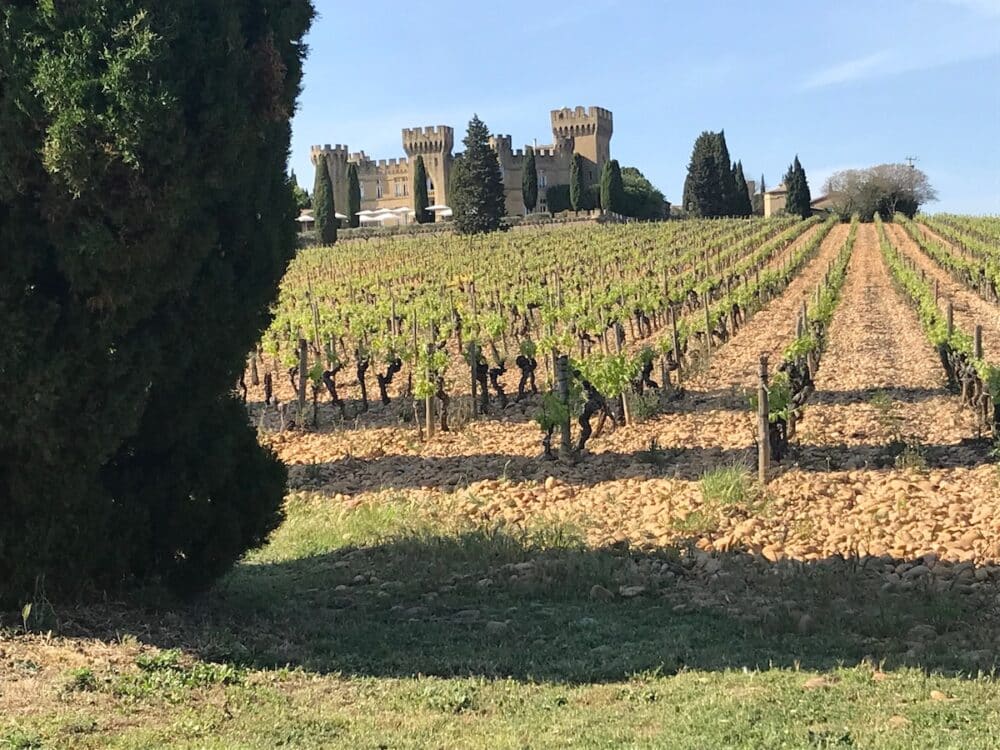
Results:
743 203
727 181
576 193
420 200
702 188
797 200
324 210
612 188
604 193
145 222
477 195
353 195
302 199
529 181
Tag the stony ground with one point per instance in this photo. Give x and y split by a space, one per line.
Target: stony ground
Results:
630 599
885 461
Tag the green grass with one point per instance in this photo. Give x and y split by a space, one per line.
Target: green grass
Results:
729 485
383 627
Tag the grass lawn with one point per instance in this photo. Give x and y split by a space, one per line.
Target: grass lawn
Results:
382 626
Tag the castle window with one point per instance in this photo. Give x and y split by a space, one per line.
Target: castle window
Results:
378 190
400 188
542 180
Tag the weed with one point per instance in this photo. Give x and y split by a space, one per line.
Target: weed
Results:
81 680
20 739
729 485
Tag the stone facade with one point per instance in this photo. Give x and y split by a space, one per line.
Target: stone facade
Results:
388 183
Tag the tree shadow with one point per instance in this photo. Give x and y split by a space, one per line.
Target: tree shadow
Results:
501 605
352 475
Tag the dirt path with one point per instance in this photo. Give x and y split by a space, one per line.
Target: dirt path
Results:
734 366
713 417
880 380
881 387
969 308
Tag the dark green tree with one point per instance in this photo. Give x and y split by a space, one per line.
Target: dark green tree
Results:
145 222
797 199
557 198
477 195
612 188
728 199
324 211
742 203
302 199
577 199
529 181
640 199
353 195
703 191
420 199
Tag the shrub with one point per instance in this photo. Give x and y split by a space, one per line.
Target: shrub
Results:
145 219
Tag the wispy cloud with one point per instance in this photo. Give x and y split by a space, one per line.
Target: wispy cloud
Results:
895 62
986 7
845 72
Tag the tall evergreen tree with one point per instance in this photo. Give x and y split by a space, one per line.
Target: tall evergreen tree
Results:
477 195
797 199
302 199
529 181
353 195
727 181
763 187
703 195
576 190
743 204
323 208
420 200
145 222
612 188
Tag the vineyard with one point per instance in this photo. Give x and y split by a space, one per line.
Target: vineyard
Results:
610 482
448 370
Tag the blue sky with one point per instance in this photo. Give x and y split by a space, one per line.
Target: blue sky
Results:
848 83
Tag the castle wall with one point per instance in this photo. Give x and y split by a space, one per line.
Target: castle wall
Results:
388 183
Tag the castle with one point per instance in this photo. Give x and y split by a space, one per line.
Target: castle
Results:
388 183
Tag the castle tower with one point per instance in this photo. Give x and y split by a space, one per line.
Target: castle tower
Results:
336 160
590 130
435 145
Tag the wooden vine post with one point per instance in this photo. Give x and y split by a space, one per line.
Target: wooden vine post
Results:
303 375
473 361
254 375
675 341
429 400
562 388
763 423
708 327
977 343
626 411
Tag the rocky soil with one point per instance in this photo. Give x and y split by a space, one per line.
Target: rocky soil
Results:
885 462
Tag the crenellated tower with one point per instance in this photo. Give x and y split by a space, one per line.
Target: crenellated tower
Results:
590 131
434 144
336 161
